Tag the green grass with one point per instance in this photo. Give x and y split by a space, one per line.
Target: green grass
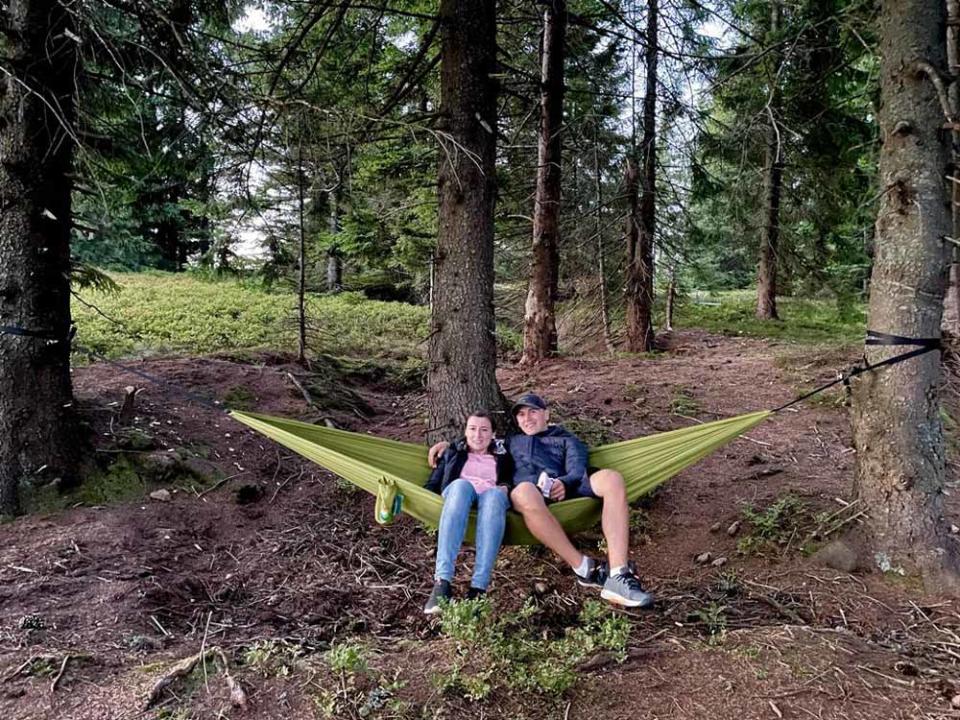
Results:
179 313
802 320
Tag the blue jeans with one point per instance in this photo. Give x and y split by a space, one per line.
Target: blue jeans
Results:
458 499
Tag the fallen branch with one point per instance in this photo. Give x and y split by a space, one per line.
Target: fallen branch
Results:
63 667
186 666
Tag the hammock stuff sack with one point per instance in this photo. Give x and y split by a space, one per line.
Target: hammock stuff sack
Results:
395 472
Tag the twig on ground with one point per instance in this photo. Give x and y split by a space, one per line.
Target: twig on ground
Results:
220 483
63 668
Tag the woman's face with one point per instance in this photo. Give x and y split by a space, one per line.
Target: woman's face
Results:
479 433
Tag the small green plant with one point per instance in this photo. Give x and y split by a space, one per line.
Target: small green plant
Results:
272 657
773 526
326 703
728 582
683 404
512 649
714 621
348 657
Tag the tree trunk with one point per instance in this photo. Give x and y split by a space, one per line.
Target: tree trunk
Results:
773 181
539 322
39 436
301 257
640 295
601 259
334 261
897 428
462 346
951 304
671 300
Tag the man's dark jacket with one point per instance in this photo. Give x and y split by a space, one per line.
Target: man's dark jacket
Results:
556 450
455 457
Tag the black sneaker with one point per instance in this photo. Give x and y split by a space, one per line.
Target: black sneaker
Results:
625 589
475 593
441 593
596 574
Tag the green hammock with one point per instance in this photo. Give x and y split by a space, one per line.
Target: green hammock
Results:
396 471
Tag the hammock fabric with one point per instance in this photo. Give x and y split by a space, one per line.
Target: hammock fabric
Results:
396 471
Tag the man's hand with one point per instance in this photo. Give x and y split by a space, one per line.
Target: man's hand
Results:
435 452
558 491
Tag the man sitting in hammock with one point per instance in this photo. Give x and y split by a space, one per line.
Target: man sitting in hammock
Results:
551 465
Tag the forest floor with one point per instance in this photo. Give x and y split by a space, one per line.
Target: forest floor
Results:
274 575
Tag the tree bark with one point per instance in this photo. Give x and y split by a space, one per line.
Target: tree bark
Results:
540 323
897 428
601 259
334 261
39 437
773 181
301 256
462 345
640 285
951 303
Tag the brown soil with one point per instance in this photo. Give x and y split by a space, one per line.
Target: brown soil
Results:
281 560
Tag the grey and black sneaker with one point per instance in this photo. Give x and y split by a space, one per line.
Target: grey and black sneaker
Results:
475 593
596 575
624 589
441 593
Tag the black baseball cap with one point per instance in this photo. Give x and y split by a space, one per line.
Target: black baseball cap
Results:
529 400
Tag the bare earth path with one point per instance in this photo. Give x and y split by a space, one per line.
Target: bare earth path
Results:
280 561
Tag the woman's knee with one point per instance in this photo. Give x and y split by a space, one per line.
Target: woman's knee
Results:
493 502
458 492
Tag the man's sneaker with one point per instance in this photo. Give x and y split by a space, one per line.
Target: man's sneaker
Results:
442 593
475 593
624 589
596 575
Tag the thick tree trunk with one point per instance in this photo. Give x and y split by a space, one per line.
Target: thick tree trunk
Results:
640 295
38 429
897 428
462 346
772 185
951 303
539 322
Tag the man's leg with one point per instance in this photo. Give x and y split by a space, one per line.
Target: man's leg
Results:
608 486
528 501
621 586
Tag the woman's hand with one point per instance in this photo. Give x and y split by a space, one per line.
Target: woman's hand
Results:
433 455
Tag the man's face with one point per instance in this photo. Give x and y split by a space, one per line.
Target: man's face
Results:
532 420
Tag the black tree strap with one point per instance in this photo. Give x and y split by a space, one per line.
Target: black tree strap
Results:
39 334
925 345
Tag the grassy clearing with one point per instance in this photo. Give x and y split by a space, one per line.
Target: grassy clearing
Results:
179 313
803 320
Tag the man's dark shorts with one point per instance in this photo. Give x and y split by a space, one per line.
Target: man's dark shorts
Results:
583 490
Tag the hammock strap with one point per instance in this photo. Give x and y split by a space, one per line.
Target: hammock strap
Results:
874 337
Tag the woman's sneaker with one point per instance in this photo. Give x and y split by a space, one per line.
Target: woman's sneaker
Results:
624 589
596 575
441 593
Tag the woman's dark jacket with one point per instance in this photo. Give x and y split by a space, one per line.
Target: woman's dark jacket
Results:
455 457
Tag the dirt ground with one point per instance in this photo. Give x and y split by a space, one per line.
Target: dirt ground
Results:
275 560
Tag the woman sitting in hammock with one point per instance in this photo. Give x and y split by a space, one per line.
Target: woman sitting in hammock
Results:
474 470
